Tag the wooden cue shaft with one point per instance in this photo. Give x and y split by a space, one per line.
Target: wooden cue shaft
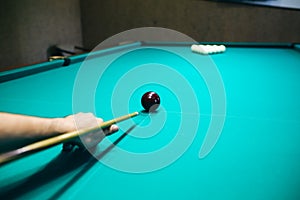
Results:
43 144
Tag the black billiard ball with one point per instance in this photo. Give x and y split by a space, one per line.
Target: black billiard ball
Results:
150 101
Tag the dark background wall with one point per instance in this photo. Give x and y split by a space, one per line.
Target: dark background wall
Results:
29 27
202 20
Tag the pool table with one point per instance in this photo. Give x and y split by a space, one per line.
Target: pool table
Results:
228 126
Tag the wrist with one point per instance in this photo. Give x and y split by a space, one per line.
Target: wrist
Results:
62 125
56 126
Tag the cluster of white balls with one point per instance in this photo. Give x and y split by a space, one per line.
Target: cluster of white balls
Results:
208 49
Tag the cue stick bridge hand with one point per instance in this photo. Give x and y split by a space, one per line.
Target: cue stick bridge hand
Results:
44 144
82 121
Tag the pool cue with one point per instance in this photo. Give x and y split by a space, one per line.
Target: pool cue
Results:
43 144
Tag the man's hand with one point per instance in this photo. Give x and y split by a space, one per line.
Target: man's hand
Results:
19 130
82 121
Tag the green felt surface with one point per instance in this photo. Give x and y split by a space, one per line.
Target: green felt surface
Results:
257 155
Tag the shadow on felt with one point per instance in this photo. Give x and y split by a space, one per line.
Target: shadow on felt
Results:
65 163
